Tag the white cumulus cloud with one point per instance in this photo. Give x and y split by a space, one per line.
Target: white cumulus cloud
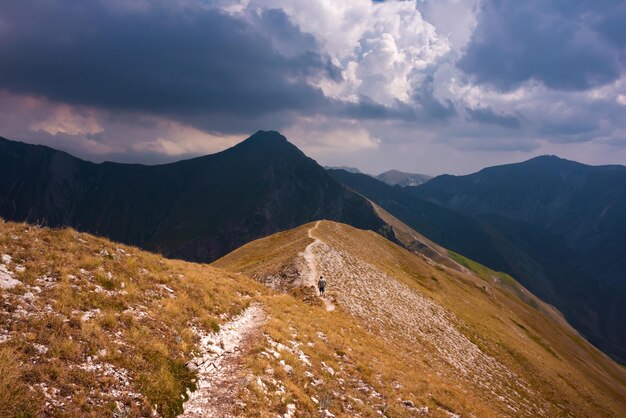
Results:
381 49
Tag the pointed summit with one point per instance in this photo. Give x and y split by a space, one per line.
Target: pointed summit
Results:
269 144
267 136
265 139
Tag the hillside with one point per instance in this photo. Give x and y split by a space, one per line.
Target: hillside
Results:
196 210
90 327
570 219
400 178
477 342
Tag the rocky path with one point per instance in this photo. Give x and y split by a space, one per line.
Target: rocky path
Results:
218 364
311 275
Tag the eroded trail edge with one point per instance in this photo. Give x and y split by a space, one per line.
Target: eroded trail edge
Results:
218 365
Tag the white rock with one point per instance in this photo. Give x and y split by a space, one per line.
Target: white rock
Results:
6 279
328 369
28 296
167 288
291 410
6 259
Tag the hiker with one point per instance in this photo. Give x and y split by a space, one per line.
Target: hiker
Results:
321 285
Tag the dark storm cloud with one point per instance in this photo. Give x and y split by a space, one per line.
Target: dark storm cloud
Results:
161 59
486 115
566 44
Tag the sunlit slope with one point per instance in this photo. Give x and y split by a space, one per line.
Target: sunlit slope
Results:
477 342
93 328
89 327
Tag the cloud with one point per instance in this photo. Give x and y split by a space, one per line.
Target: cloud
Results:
322 136
487 116
225 66
159 59
381 81
382 49
431 106
99 135
560 44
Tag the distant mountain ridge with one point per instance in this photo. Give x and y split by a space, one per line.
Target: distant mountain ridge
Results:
557 226
571 219
453 230
197 209
400 178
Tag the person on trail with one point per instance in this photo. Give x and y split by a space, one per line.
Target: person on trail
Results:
321 285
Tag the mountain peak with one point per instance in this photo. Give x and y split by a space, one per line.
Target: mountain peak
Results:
401 178
550 159
267 137
266 143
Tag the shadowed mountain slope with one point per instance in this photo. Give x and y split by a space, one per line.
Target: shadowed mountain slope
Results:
570 218
477 342
453 230
197 209
576 269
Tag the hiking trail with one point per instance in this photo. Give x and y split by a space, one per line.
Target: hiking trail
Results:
218 364
312 275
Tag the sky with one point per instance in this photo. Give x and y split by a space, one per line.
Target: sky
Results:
430 86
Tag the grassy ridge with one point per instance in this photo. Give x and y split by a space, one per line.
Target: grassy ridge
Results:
566 375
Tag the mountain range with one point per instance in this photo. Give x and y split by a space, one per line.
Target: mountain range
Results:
423 314
568 217
556 225
198 209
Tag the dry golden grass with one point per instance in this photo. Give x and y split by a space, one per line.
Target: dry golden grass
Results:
16 400
94 303
564 373
370 373
97 323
